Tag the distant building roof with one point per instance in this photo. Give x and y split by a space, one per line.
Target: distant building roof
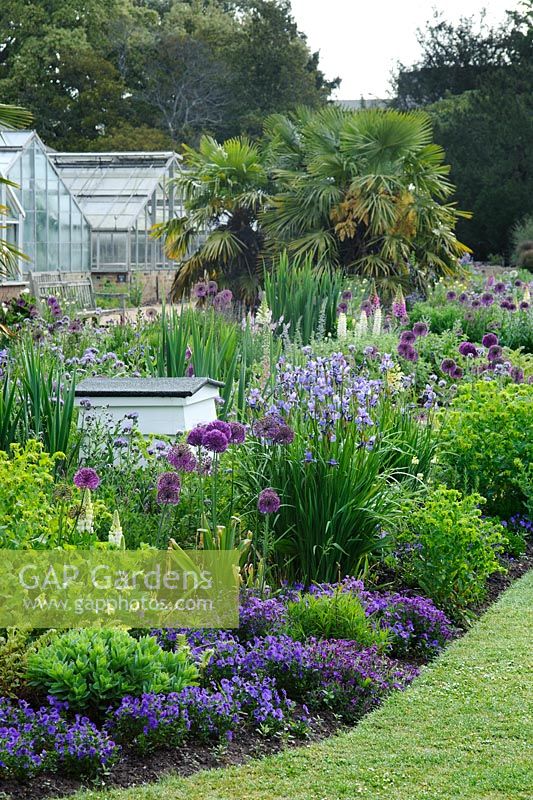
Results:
113 188
363 102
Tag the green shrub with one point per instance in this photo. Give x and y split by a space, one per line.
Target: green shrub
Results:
97 668
28 518
447 550
487 444
13 659
522 238
336 616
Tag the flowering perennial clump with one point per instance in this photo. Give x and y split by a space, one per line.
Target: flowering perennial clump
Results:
45 739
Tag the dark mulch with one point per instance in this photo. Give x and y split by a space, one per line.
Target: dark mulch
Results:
135 770
500 581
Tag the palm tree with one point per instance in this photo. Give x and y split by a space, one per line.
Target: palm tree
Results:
362 190
223 186
10 117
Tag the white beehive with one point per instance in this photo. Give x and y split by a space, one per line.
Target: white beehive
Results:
166 406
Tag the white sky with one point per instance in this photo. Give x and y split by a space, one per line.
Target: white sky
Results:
361 40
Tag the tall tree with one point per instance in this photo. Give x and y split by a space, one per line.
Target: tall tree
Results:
483 117
93 70
366 191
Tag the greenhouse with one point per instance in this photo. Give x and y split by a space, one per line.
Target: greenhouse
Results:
44 220
122 195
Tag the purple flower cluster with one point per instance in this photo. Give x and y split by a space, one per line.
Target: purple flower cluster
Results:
34 741
273 429
502 293
325 389
168 488
216 436
182 458
54 307
260 616
268 501
418 629
202 713
405 347
87 478
352 681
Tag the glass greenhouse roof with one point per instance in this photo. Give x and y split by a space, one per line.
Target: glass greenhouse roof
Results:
112 189
11 145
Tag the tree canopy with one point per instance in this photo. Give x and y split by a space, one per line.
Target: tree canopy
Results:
124 74
476 82
364 191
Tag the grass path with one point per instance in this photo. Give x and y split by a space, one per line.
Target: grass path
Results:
463 731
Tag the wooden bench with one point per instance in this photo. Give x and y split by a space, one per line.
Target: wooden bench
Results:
78 293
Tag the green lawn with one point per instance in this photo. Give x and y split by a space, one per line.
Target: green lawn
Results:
463 731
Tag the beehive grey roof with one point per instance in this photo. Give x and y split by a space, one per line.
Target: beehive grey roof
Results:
143 387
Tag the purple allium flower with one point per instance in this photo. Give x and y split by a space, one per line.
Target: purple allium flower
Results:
447 364
403 348
223 299
284 435
268 501
468 349
495 351
200 290
408 337
517 374
182 458
463 297
367 307
342 308
238 433
87 478
487 299
456 373
219 425
212 288
346 295
420 329
451 295
215 441
511 306
499 287
489 340
196 437
168 488
411 354
524 305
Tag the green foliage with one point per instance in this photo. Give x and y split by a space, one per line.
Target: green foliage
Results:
522 243
337 616
220 349
28 517
478 82
13 659
186 67
487 443
363 190
303 296
337 494
97 668
447 550
223 187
